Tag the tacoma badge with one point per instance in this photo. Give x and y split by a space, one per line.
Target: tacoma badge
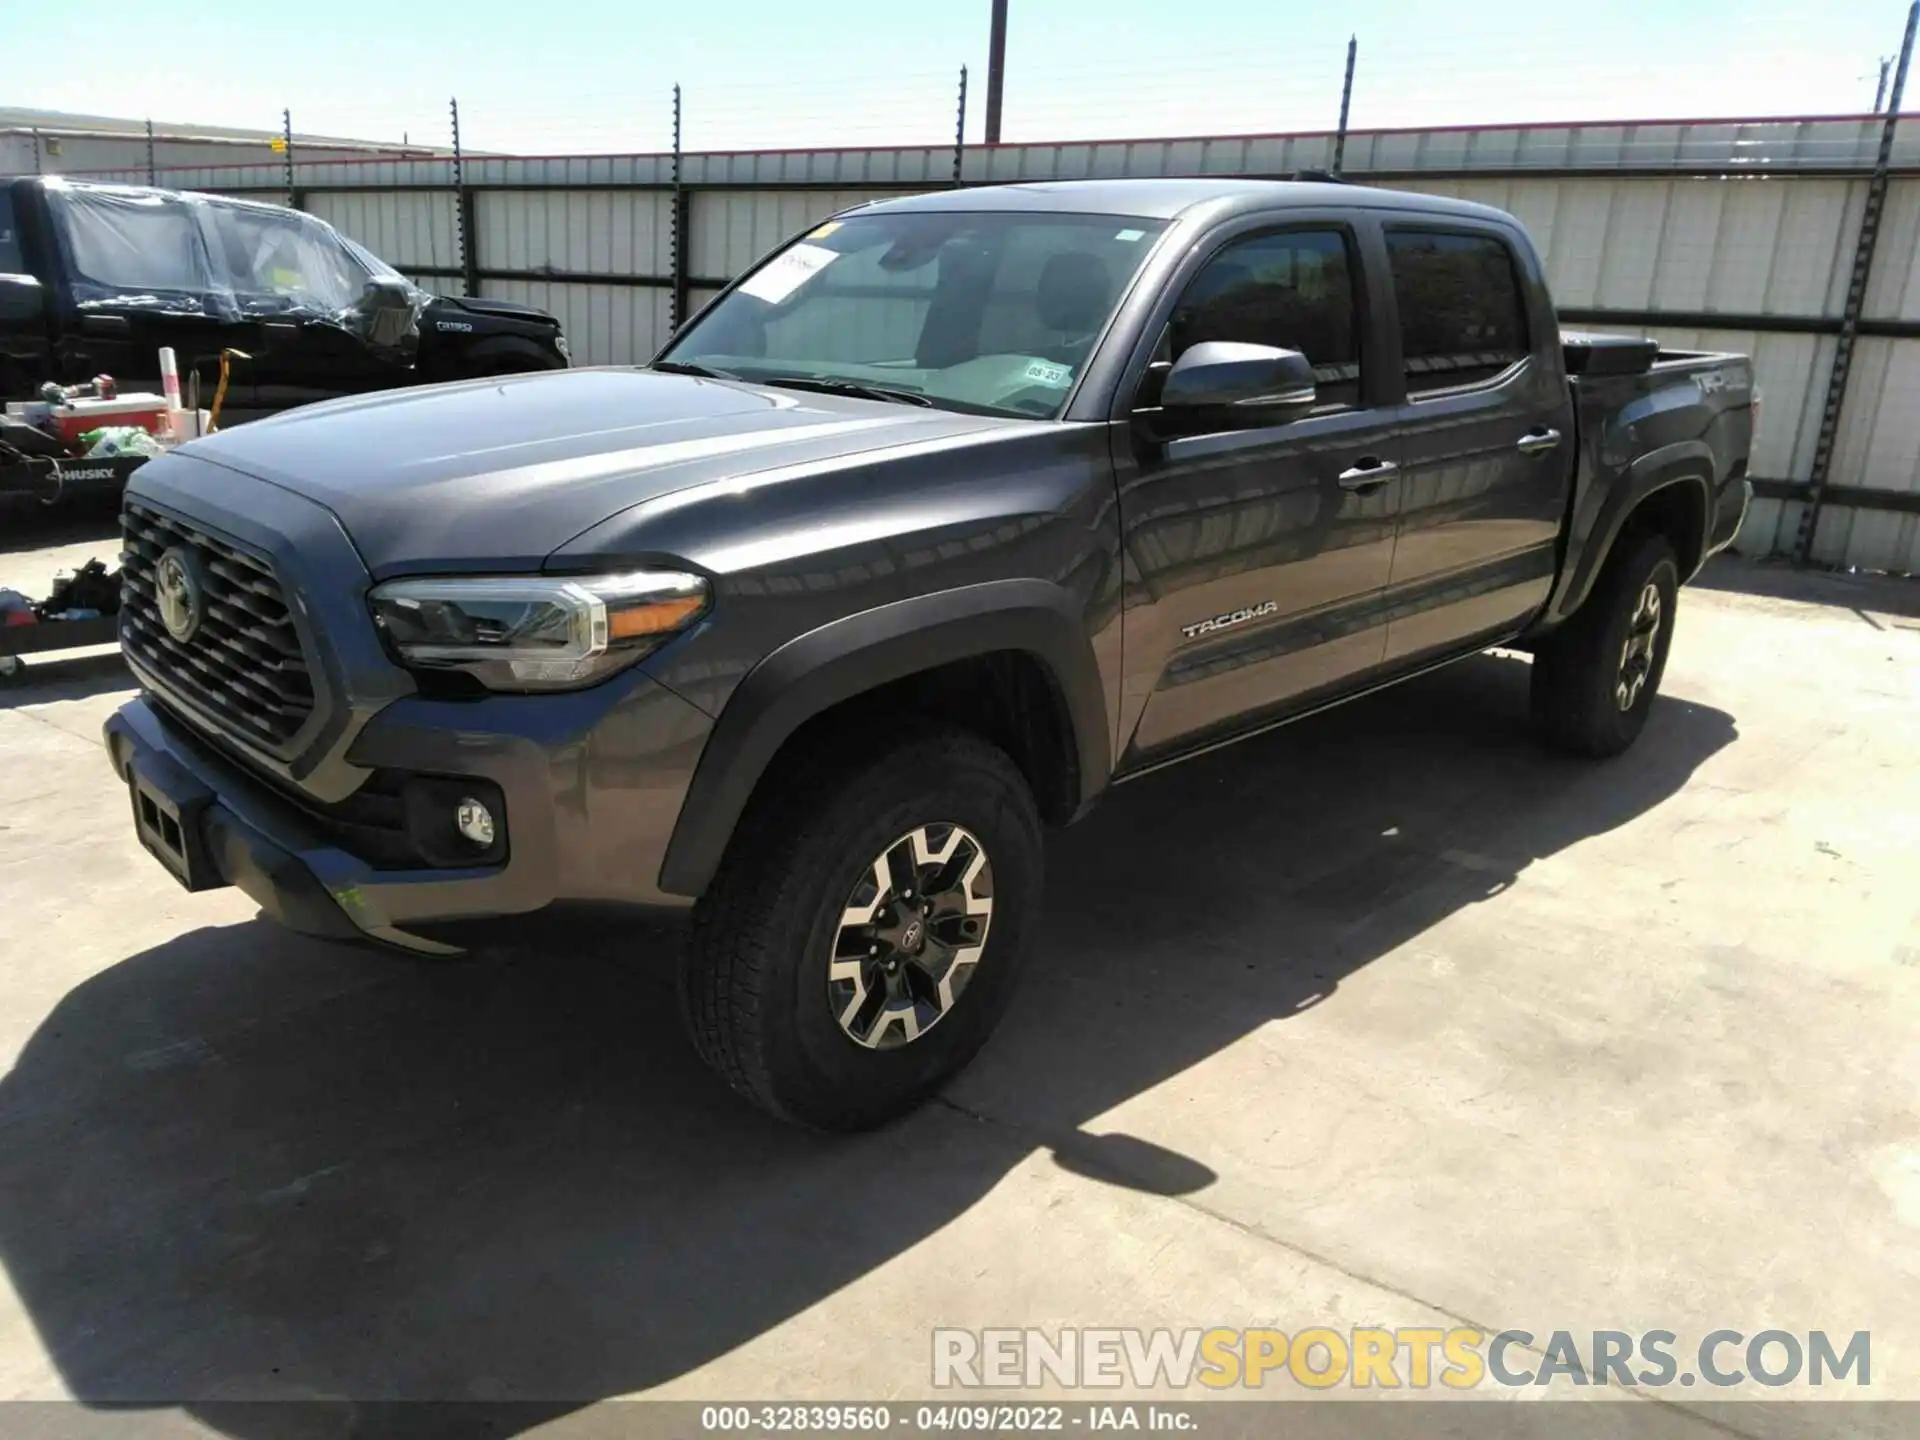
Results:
1231 618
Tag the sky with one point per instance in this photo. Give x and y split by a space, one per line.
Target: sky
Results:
763 74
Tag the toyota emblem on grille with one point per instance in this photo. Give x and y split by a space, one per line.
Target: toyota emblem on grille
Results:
181 590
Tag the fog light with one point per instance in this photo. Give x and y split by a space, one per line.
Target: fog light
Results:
475 821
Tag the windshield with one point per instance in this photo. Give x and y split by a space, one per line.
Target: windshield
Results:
990 312
276 258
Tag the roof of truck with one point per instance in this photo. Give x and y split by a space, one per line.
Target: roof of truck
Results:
1167 199
125 187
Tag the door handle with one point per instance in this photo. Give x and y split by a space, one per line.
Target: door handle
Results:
1369 474
1538 442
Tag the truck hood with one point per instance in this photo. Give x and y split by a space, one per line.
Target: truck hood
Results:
500 473
475 305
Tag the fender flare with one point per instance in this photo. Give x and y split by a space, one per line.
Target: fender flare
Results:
1685 462
849 657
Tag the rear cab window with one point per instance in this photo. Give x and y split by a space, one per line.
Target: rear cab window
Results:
132 245
1463 316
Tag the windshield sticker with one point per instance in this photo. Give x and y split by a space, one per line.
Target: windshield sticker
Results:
780 277
1054 377
1129 234
824 231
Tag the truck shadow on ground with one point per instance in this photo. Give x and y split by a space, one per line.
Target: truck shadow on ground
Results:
241 1167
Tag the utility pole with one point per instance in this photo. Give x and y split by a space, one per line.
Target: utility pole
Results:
1880 92
151 179
996 68
286 148
1346 104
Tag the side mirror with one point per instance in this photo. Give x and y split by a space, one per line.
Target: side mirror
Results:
386 311
384 292
21 299
1240 386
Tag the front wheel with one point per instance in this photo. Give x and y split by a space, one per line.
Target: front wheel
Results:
865 931
1595 678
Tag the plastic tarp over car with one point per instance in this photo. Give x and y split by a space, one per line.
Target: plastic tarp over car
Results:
230 260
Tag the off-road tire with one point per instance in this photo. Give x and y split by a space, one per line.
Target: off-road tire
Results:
1578 670
754 984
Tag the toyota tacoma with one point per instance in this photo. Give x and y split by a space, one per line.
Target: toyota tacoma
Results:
955 511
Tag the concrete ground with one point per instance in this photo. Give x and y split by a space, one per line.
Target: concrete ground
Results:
1389 1018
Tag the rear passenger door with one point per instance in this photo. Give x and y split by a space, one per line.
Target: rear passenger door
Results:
1257 558
1486 435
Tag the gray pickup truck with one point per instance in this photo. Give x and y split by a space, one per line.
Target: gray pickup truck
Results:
952 513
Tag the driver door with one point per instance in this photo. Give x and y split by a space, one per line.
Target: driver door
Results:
1258 558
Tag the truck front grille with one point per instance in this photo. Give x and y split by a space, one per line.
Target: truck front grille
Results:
240 662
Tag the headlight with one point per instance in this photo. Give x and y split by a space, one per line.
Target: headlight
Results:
537 632
560 344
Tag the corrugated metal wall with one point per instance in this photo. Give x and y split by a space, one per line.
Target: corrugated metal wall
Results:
732 229
604 324
412 230
1759 246
1756 246
1659 229
600 232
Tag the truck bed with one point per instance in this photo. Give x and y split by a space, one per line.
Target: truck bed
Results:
1645 415
1591 354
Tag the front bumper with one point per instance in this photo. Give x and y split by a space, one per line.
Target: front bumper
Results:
591 789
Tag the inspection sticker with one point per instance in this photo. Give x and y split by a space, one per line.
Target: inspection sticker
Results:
1056 377
1129 234
779 278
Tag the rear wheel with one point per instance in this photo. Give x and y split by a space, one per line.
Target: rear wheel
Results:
865 931
1594 679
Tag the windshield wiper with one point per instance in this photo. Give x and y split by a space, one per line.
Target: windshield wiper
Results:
855 388
687 367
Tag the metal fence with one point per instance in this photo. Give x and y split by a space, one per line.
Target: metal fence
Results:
1739 235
